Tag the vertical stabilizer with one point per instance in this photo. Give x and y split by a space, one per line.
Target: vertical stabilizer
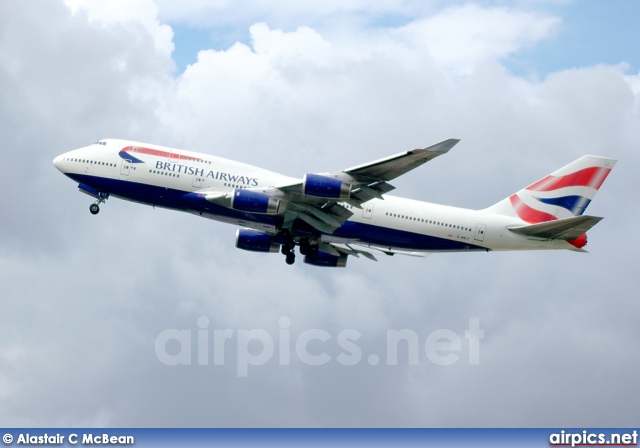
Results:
565 193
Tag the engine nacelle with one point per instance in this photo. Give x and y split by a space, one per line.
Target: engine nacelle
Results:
327 260
255 241
325 187
254 202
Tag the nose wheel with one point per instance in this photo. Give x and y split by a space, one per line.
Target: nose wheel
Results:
95 207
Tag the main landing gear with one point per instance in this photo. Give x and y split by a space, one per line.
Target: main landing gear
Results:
288 246
290 257
308 247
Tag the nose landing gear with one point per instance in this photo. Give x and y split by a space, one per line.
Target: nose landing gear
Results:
95 207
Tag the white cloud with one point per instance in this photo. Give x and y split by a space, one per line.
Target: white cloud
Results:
145 12
634 85
462 37
283 13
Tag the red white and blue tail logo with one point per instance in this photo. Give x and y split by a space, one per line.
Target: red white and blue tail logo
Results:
564 193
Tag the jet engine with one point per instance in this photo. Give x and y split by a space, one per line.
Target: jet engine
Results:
325 187
254 241
254 202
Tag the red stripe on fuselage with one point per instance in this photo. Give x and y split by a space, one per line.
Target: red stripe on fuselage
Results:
159 153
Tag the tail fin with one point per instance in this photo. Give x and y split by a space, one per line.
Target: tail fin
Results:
565 193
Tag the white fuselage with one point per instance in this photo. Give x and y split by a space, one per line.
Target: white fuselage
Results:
161 176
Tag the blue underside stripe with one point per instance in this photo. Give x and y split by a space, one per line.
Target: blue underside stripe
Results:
188 201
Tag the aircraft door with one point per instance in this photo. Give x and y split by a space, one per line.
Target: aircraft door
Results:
367 210
480 230
125 168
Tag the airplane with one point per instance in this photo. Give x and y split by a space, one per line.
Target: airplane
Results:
331 216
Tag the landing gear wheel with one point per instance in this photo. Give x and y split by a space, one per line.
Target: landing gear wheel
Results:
94 209
288 246
285 249
291 258
309 246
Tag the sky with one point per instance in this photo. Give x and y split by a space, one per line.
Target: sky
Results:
94 310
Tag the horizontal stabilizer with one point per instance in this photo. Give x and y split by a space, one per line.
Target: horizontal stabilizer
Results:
565 229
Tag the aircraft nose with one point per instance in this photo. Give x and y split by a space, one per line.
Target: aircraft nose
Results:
57 162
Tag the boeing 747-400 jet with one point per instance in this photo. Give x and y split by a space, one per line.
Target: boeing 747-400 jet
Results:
333 215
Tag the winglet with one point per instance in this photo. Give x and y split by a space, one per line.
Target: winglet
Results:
443 147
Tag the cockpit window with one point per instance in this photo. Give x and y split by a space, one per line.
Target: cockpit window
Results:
101 142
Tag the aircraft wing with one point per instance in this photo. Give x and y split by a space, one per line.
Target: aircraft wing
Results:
391 167
324 201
